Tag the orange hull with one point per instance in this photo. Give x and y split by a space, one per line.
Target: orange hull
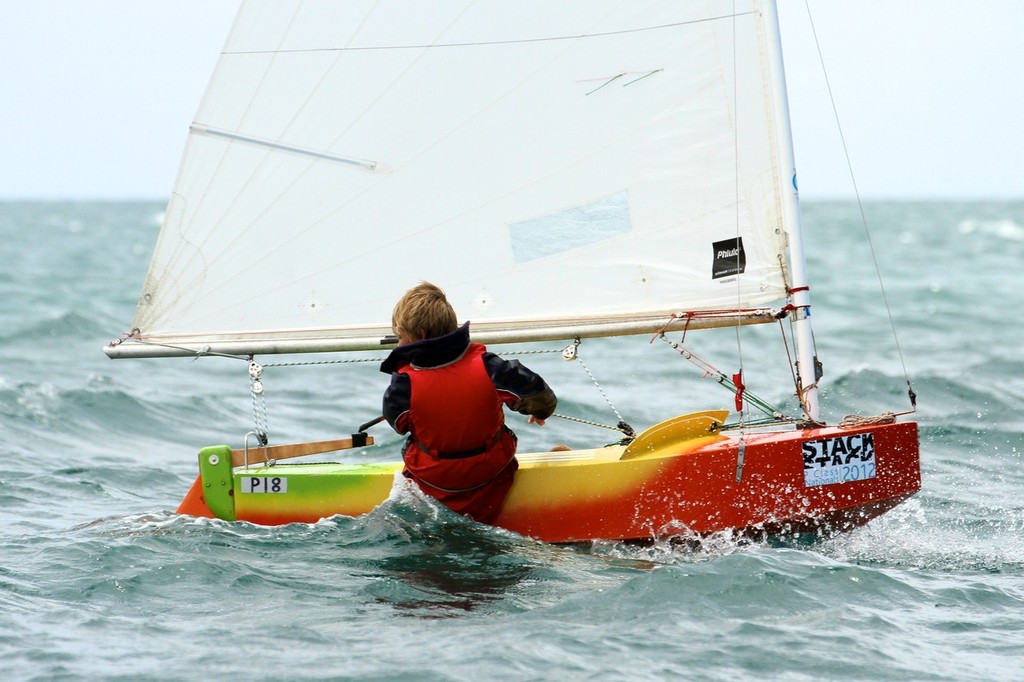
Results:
699 491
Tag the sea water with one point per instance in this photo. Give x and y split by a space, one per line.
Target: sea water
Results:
99 579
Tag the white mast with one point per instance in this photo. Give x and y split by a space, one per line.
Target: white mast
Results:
800 294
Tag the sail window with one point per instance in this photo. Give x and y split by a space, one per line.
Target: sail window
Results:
570 228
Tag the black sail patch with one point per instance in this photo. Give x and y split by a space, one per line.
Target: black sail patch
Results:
729 258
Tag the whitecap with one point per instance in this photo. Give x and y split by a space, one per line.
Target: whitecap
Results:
1004 228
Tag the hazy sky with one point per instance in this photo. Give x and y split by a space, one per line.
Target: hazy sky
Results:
97 95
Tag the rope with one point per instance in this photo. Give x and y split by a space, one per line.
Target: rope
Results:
737 378
259 405
766 421
586 421
789 359
259 402
322 362
205 350
852 421
309 363
599 389
570 353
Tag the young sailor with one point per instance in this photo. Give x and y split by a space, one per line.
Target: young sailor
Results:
448 394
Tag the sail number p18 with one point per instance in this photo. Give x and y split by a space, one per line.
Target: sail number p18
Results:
264 484
842 459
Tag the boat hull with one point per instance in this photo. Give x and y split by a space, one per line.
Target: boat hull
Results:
825 480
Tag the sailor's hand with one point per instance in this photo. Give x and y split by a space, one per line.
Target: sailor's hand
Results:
534 420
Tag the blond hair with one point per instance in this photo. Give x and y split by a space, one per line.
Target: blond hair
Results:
423 311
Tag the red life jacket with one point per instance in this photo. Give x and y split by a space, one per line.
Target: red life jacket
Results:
459 449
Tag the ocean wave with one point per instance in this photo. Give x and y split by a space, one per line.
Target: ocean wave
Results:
410 555
64 325
984 396
863 391
97 569
99 408
970 401
922 536
1004 228
77 410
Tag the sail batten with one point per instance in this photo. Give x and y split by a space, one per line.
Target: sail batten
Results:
206 130
594 161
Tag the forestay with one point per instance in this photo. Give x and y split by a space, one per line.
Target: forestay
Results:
560 169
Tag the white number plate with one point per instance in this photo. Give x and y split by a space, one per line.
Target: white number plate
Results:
843 459
264 484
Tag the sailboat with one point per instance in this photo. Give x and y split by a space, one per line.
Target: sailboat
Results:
565 171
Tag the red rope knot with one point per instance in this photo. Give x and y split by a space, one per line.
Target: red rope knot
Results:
671 318
802 393
797 289
785 310
135 333
661 332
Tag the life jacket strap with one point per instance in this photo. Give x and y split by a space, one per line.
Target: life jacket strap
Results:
452 491
465 453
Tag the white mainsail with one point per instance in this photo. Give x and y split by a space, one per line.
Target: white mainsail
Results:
560 169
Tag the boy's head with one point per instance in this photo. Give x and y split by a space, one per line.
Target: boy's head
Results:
423 313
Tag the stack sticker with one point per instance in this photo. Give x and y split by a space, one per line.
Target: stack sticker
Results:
839 460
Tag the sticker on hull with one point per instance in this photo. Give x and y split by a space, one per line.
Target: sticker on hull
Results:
264 484
842 459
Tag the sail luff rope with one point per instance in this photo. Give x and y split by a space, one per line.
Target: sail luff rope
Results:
860 207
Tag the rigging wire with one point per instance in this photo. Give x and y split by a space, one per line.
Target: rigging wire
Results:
736 181
775 414
738 377
571 353
622 425
860 207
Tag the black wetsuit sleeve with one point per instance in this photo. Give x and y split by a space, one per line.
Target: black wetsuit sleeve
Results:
534 396
396 401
